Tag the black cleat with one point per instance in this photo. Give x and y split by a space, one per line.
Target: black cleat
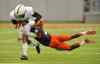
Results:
38 49
89 41
24 58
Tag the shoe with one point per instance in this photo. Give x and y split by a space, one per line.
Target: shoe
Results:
91 32
24 58
38 49
89 41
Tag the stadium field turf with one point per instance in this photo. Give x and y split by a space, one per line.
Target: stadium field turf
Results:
88 54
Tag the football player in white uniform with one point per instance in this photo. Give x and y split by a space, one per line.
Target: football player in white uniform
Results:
26 20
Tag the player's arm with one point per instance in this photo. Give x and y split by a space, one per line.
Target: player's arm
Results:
16 23
39 20
13 21
37 15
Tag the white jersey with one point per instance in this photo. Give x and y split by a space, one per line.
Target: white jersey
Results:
25 29
28 16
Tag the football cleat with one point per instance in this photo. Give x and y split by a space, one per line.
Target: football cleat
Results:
89 41
38 49
91 32
24 58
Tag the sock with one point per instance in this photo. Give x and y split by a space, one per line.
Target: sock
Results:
24 49
83 33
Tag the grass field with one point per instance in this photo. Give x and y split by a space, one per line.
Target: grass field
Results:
88 54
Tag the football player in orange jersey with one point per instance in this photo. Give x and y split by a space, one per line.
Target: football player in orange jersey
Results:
57 41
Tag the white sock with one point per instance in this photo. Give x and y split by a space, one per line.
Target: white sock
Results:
83 33
24 49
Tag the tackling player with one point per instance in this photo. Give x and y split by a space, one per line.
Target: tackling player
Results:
57 41
26 20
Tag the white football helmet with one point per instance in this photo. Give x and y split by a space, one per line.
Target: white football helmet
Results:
19 11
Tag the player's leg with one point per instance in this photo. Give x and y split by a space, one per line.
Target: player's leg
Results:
38 48
23 44
65 46
63 38
25 38
35 42
80 43
57 42
24 48
54 41
76 35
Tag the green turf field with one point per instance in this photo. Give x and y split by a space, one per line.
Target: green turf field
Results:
10 48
